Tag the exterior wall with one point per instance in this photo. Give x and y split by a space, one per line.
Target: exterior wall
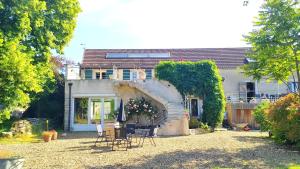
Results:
91 88
231 83
85 88
126 92
72 72
119 73
234 76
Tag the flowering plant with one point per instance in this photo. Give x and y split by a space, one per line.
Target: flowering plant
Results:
140 106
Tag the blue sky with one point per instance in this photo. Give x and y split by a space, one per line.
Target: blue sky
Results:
161 24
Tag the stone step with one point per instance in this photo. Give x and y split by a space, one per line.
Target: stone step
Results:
175 109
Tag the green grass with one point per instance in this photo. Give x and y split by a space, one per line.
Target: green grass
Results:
21 139
294 167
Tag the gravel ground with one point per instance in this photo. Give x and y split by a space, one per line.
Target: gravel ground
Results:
226 149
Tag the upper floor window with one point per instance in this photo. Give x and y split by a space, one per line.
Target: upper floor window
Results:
126 74
105 75
88 74
148 73
137 55
97 75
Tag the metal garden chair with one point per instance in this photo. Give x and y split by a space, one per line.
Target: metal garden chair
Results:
121 138
101 134
151 134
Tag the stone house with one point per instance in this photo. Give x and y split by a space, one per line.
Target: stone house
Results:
94 88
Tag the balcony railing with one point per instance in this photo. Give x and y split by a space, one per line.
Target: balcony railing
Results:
238 98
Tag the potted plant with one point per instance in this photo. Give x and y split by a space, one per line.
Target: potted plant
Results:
47 136
54 134
9 160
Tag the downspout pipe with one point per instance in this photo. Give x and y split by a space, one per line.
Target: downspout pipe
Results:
70 94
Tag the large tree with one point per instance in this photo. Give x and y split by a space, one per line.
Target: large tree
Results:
29 31
50 103
275 42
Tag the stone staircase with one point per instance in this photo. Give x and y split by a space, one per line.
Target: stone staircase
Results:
175 122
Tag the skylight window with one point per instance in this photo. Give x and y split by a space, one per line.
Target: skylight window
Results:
137 55
249 60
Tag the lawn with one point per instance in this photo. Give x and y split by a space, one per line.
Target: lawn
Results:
21 139
226 149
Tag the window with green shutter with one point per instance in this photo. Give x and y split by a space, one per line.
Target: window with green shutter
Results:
88 74
126 74
148 73
107 74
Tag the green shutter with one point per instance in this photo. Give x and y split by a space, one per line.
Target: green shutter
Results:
148 73
107 73
88 74
126 74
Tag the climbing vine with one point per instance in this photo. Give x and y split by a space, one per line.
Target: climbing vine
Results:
201 79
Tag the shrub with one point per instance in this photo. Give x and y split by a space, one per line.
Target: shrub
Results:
113 114
39 127
203 126
5 126
140 106
261 116
284 116
194 123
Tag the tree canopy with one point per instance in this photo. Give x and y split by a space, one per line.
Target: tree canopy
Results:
275 42
200 79
29 31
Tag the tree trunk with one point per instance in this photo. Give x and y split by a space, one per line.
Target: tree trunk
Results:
298 74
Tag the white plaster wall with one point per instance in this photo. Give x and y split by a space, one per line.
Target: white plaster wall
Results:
87 88
234 76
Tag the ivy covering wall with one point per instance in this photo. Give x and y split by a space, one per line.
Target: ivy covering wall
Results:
200 79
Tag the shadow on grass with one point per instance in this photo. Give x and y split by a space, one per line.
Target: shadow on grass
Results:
102 147
79 135
264 155
269 141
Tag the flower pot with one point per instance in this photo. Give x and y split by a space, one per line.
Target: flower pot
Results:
15 163
54 135
47 136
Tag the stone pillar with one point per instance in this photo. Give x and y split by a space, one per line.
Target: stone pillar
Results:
102 112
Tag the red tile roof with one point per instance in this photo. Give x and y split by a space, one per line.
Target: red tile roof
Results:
225 58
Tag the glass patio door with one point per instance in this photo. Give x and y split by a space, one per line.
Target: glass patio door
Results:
91 111
95 115
101 110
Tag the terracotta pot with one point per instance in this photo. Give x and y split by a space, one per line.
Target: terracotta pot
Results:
47 138
54 135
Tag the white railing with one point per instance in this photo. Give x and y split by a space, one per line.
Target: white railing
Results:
239 98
